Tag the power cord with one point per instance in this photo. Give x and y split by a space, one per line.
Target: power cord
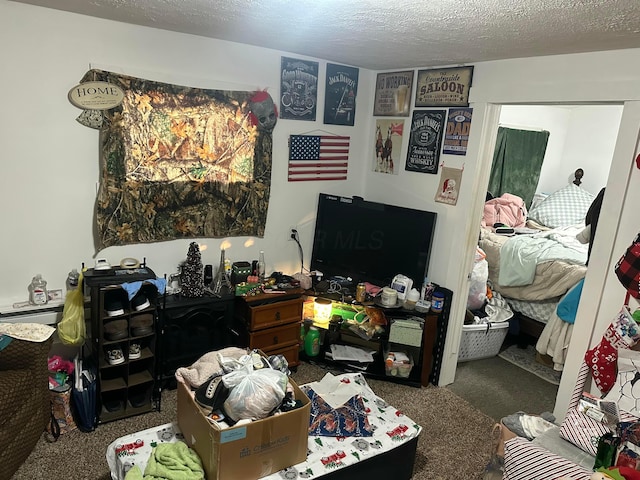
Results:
295 238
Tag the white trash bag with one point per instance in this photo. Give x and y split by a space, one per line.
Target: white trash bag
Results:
478 282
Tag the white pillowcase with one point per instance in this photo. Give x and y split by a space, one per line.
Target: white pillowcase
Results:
565 207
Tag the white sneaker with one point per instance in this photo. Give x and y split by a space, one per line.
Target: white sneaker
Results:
134 351
115 356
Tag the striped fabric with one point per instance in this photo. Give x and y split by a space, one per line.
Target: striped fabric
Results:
524 460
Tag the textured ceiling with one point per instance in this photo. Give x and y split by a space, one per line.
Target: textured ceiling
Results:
388 34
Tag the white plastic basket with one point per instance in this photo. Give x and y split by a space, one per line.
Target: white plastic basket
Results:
482 341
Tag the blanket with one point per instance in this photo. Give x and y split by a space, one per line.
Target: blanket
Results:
170 461
520 255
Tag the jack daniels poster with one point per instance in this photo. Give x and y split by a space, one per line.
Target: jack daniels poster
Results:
340 95
299 89
425 139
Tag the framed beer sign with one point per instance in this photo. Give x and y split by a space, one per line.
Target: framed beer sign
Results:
444 87
393 94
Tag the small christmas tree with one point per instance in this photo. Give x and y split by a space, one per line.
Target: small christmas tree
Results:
192 277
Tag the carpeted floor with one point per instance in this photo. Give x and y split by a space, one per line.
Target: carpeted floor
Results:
455 442
526 359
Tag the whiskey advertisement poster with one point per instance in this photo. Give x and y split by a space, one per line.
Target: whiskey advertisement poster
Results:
298 88
444 87
456 136
388 145
393 94
425 140
340 95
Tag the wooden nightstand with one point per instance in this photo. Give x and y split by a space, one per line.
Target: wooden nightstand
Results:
271 323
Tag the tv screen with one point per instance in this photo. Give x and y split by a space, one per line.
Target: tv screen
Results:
370 241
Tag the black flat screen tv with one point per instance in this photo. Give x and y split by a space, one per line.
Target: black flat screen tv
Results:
370 241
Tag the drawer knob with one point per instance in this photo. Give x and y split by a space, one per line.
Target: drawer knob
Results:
275 339
278 315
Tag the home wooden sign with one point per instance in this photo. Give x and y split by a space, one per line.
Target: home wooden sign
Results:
96 95
444 87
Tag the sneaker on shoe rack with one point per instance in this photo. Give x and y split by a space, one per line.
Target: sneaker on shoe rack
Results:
113 306
115 356
212 393
134 351
140 302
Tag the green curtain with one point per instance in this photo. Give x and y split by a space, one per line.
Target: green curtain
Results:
517 161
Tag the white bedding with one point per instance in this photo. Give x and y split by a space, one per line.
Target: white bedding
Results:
521 254
552 279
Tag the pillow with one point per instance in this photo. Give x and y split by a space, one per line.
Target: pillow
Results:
565 207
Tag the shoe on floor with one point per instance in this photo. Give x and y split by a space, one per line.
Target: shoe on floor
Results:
115 356
112 405
134 351
212 393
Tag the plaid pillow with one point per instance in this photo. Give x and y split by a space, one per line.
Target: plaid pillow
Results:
565 207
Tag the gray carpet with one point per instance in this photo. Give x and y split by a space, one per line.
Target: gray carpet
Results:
454 444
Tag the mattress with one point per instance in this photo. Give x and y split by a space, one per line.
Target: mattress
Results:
540 310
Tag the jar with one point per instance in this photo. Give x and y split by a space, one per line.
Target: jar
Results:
437 301
38 291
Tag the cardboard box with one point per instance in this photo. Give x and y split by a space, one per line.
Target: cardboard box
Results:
250 451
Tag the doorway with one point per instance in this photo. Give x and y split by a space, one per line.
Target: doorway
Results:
581 136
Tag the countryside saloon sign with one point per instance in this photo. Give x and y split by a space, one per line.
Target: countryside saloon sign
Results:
444 87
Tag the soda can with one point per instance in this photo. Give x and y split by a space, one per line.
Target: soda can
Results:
361 292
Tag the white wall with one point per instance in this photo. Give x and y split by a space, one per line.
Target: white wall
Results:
49 167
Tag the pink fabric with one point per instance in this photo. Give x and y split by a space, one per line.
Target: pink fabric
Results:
508 209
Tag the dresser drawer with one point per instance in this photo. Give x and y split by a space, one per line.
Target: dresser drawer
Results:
275 337
273 314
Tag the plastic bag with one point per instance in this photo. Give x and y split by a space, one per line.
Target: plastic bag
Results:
254 395
72 329
478 282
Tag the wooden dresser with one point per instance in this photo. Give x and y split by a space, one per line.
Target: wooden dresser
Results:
271 323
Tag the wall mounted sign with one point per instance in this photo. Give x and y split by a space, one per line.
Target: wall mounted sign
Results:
340 95
456 136
393 94
449 185
96 96
444 87
298 89
425 140
388 145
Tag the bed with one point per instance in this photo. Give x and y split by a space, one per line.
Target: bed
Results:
534 267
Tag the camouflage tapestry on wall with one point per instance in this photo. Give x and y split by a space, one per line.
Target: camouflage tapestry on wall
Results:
180 162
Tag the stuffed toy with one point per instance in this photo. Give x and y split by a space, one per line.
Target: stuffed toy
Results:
264 113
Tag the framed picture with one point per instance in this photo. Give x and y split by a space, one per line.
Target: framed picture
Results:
425 140
340 95
298 89
393 94
444 87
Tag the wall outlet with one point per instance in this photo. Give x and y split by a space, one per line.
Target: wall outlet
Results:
292 233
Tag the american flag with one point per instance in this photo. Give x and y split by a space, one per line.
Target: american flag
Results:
318 157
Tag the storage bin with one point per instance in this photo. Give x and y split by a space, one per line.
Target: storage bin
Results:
397 368
482 341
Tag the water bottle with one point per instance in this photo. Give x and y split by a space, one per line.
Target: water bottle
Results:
72 279
38 291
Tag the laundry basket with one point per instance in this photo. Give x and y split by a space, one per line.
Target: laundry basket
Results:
482 341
